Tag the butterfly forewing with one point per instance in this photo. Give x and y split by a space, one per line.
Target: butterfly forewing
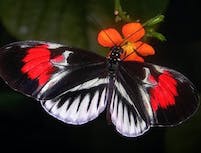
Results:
168 96
32 67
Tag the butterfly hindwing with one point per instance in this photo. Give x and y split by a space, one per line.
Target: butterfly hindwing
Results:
79 96
81 103
170 95
127 108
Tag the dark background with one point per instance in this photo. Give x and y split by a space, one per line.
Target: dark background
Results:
25 127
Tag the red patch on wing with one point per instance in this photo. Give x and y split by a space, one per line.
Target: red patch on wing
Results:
163 94
58 59
37 64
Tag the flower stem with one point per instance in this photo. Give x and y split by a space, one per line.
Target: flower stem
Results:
119 13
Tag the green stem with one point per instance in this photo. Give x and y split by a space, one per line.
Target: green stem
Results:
119 13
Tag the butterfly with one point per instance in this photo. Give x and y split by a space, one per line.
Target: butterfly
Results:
75 85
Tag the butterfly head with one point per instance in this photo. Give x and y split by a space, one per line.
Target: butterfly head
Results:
132 49
116 51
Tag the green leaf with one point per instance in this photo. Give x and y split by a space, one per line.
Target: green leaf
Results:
70 22
155 20
45 20
155 34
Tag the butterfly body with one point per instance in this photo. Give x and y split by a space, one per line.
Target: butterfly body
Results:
114 59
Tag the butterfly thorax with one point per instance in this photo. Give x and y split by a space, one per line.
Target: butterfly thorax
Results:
114 58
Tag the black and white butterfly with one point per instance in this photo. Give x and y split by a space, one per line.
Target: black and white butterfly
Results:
75 86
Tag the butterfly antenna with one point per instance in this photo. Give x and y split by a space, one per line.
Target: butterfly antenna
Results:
101 27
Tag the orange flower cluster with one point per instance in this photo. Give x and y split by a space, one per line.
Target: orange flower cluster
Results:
134 49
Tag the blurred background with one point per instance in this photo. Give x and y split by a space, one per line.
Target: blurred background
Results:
26 127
